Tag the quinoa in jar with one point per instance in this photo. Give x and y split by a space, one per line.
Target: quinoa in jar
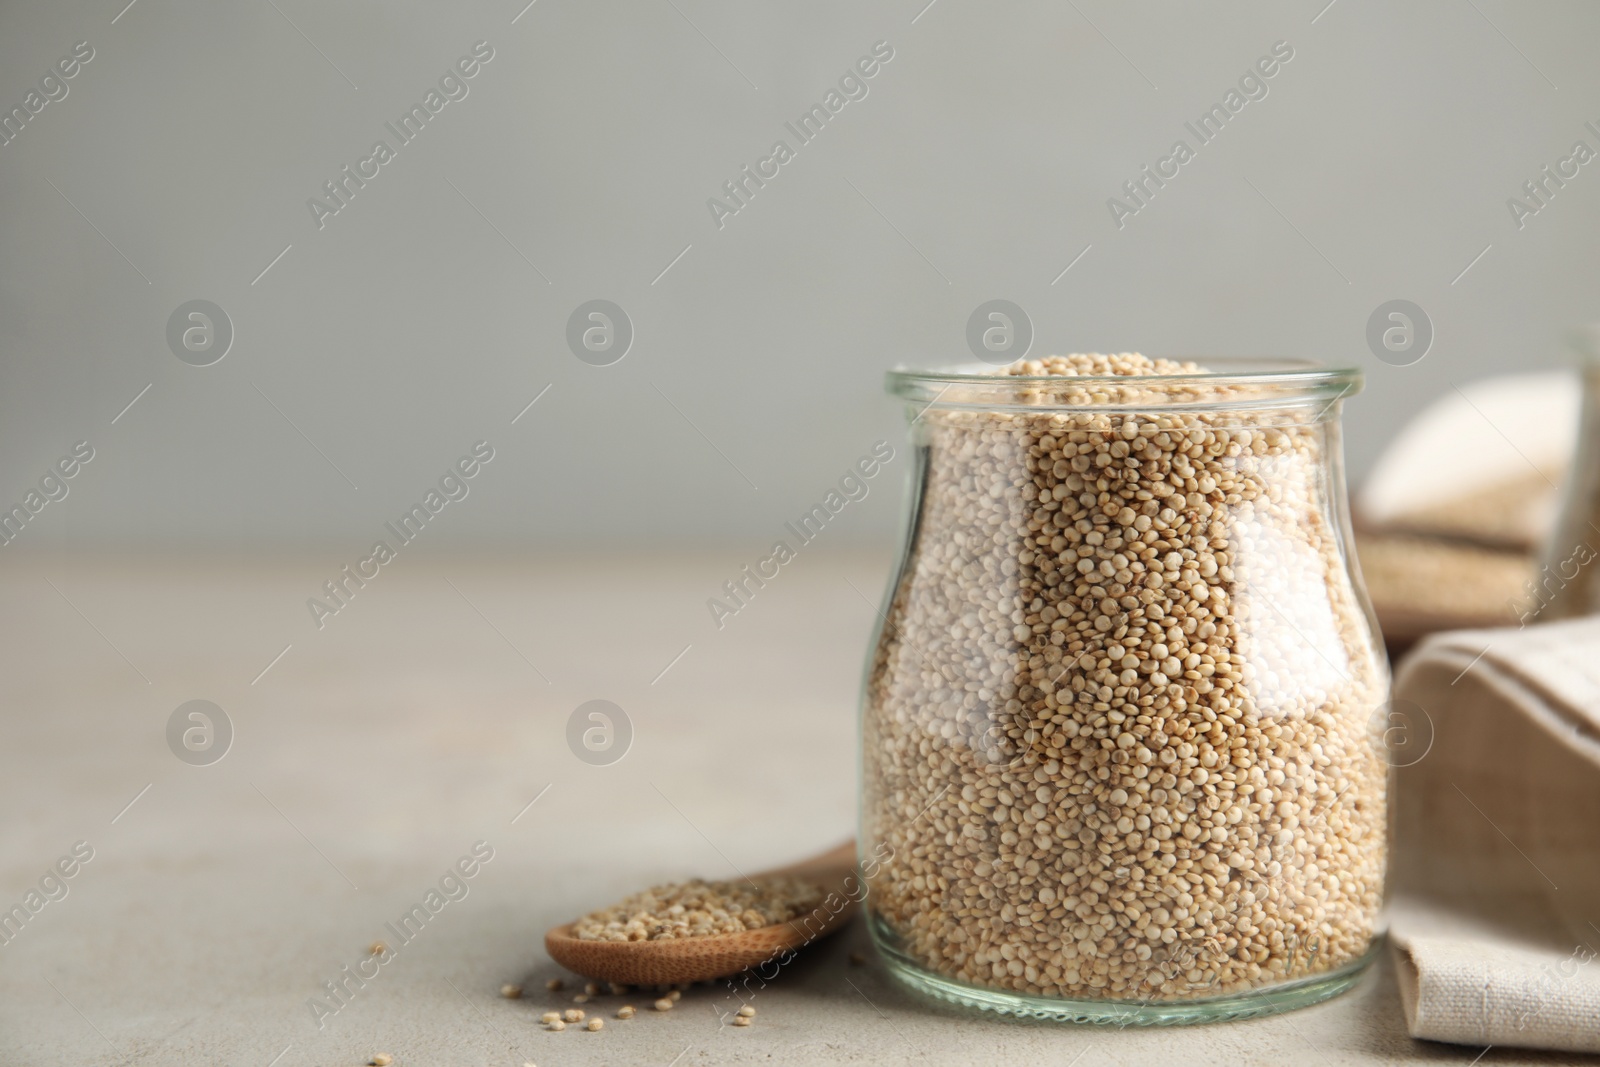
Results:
1122 728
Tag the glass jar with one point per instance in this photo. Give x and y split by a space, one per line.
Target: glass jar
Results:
1566 586
1122 734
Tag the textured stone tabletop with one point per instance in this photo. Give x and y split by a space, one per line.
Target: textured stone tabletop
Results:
426 723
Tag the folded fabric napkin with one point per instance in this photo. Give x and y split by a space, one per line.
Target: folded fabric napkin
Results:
1495 914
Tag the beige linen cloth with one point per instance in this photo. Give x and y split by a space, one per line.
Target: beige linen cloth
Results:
1495 915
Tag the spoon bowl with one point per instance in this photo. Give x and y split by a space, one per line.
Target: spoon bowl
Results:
677 961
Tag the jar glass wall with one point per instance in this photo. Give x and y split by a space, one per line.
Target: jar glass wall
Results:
1122 726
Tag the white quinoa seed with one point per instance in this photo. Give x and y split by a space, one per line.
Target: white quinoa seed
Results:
510 992
573 1015
550 1017
748 1011
555 985
558 1025
382 1059
581 998
1117 737
595 1024
625 1012
664 1004
741 1020
699 909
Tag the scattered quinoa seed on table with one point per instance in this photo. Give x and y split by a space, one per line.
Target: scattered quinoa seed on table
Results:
510 992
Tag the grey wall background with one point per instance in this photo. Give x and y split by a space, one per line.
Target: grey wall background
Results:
432 309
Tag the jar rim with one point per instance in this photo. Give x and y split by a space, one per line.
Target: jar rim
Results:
1252 382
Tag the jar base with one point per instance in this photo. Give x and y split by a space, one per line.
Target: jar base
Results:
1270 1000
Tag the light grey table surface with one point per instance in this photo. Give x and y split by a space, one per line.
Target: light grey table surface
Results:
423 718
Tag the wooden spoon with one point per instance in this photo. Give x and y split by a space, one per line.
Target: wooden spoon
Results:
697 959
